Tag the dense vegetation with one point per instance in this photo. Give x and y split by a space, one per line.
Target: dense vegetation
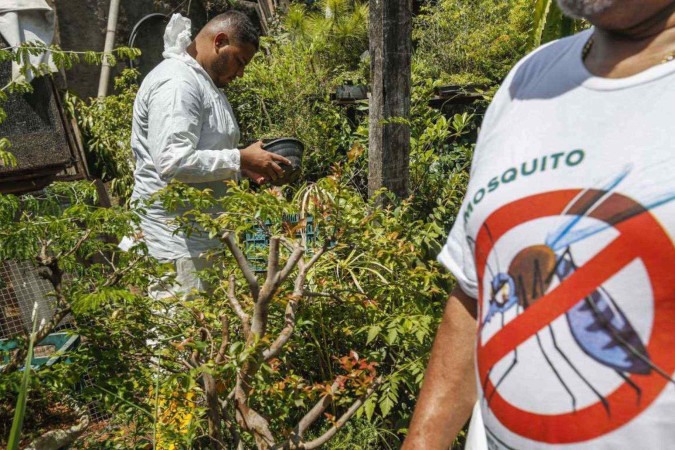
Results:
370 294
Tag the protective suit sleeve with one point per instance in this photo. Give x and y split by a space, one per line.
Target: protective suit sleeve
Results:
174 124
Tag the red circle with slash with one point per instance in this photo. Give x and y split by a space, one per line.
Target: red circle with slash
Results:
642 237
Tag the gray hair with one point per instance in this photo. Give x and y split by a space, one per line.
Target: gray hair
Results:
237 24
582 9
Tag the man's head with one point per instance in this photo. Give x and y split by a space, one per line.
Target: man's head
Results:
225 46
616 15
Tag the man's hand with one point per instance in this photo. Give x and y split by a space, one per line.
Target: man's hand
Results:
449 388
256 177
257 163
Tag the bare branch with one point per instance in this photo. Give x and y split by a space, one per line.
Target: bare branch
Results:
188 365
56 319
290 245
225 335
295 439
290 265
242 262
316 257
285 334
212 410
318 409
316 443
251 421
117 275
292 307
273 259
238 310
272 282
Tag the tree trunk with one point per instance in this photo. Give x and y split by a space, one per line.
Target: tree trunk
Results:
390 53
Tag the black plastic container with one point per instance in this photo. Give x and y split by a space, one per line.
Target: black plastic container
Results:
292 149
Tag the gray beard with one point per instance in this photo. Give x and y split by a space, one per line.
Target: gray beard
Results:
582 9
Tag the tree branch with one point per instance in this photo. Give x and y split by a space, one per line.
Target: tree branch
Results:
273 260
318 409
117 275
316 443
242 262
213 411
290 265
238 310
285 335
292 306
272 283
225 335
253 422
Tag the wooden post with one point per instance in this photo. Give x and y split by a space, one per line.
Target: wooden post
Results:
390 53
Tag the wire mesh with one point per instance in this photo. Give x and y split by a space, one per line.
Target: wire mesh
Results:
20 288
97 413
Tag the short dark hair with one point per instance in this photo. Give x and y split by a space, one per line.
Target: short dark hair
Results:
238 25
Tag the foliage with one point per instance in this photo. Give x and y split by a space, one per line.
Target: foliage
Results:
286 88
336 35
471 42
72 242
20 410
106 127
365 314
287 79
371 298
549 23
286 94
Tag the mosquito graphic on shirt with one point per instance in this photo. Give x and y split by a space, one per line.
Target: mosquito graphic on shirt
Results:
597 323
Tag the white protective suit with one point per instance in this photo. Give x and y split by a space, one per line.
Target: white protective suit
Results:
24 21
183 129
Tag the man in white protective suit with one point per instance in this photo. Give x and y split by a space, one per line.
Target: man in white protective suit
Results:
184 129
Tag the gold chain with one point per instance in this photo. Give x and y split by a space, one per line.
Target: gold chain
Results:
589 45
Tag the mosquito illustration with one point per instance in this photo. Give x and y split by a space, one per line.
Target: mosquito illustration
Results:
597 323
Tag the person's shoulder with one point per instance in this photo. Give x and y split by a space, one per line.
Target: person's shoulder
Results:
168 73
554 57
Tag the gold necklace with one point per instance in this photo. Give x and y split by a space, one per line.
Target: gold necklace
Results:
589 45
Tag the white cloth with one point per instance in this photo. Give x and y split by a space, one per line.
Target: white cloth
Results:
475 437
183 129
28 21
187 280
565 237
17 5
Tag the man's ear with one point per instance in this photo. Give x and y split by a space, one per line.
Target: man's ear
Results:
221 40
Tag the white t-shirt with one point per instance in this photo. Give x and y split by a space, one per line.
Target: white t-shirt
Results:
565 239
184 129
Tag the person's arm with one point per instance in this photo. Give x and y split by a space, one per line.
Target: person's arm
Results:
449 389
174 127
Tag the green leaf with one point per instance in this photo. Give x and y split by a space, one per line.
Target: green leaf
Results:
373 332
386 404
20 412
369 407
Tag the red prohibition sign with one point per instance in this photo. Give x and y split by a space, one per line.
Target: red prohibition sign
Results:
640 237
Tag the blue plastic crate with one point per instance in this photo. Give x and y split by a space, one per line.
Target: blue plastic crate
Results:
60 341
257 240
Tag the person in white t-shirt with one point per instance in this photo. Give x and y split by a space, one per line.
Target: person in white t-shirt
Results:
184 129
562 323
